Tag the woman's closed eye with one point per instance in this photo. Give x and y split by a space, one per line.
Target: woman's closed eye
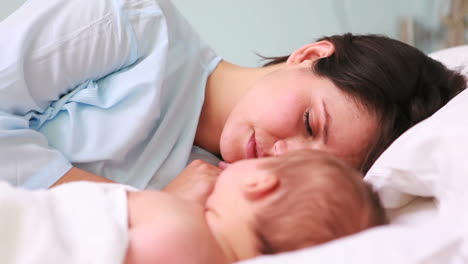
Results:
307 123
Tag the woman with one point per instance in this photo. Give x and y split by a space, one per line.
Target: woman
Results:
122 89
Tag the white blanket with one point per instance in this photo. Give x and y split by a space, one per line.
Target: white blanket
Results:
74 223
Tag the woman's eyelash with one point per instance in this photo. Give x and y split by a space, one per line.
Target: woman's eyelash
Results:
307 123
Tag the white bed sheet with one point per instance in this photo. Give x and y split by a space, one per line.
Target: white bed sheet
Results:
419 233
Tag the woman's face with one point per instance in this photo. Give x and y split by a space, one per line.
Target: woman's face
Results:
292 109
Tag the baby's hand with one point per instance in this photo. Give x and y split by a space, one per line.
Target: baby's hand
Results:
223 165
195 182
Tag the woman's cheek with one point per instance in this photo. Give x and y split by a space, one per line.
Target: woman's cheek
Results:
284 123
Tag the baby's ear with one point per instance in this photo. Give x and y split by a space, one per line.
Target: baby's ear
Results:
258 186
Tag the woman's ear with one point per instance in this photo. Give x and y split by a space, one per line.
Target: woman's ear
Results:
311 52
260 185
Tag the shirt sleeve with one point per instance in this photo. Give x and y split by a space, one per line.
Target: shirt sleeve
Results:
25 158
48 49
74 223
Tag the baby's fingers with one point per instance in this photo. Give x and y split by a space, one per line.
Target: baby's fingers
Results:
223 165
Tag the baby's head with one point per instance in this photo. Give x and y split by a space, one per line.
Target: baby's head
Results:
319 199
297 200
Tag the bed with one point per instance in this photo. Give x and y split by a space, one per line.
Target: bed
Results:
422 180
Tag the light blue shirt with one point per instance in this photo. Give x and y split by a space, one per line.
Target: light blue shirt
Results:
114 87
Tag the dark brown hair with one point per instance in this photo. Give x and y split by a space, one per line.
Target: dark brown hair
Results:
397 82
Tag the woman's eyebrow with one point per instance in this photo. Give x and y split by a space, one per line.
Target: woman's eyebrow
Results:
327 121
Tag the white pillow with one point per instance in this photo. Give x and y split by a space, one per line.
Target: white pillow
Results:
429 158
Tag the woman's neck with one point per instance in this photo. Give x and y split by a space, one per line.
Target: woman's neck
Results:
225 87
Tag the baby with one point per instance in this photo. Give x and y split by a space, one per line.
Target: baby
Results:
260 206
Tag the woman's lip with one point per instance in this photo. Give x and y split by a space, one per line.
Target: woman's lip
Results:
251 148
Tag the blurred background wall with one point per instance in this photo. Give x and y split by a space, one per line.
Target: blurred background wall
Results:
237 29
8 6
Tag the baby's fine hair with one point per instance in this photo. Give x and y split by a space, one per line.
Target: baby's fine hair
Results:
320 199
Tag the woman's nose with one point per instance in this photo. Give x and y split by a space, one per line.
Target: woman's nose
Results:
283 146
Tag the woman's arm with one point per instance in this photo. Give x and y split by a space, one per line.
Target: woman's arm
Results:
194 183
75 174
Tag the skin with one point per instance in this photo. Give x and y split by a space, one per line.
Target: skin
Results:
280 124
270 103
164 228
161 225
273 109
